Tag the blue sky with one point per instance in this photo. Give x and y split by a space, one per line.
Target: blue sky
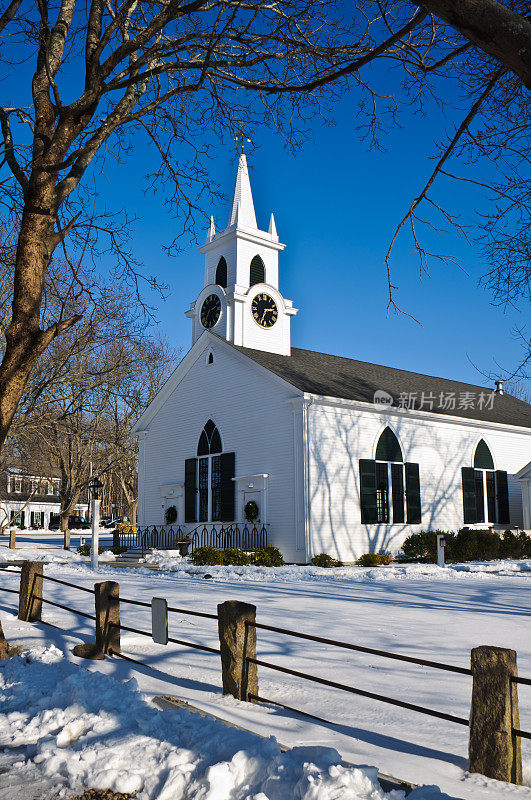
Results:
336 205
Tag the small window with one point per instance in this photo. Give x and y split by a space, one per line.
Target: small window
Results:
210 359
221 273
257 271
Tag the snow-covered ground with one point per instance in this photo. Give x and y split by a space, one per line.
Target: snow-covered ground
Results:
417 610
45 545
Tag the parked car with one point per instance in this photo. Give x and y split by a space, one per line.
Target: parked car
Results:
112 523
74 522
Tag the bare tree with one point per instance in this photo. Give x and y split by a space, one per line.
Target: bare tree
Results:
155 360
167 70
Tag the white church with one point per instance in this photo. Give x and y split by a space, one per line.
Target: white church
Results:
331 454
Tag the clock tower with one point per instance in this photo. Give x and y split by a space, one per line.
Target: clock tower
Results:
241 300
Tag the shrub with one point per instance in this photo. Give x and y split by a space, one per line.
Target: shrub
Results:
84 549
170 515
324 560
267 557
117 549
206 556
423 545
374 560
472 545
234 557
515 545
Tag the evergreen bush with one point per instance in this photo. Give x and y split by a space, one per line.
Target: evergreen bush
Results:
237 558
374 560
84 549
324 560
206 556
468 545
267 557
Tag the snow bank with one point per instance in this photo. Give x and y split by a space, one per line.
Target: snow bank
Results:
79 729
170 561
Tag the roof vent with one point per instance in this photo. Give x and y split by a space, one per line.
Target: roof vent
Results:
499 387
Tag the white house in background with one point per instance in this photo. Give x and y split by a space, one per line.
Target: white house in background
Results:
340 456
523 476
29 497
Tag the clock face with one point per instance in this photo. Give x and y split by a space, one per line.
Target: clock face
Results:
264 310
210 311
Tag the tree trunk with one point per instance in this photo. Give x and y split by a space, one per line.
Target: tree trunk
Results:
133 506
64 528
492 26
25 342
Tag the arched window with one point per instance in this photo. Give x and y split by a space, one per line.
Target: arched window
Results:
483 457
209 441
388 448
221 273
485 491
209 474
257 271
389 488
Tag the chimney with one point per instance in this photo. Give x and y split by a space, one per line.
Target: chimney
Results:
499 387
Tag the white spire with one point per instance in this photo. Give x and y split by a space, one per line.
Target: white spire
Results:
242 209
211 230
273 229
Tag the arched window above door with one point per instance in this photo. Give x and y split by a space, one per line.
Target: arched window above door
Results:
256 271
388 447
209 441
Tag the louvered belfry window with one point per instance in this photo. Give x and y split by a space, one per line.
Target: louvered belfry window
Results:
209 491
257 271
221 273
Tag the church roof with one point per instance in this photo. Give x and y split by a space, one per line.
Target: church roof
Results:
334 376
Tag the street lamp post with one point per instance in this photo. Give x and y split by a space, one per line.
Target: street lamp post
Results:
94 488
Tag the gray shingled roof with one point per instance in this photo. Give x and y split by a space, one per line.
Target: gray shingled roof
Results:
333 376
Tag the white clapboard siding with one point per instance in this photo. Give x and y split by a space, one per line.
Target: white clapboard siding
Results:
341 436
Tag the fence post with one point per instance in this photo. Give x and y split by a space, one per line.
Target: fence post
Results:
107 605
237 642
12 538
30 594
4 647
493 750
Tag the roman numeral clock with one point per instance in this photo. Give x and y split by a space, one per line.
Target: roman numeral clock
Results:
241 300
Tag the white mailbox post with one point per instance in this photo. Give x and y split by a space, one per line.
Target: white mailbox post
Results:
441 544
94 487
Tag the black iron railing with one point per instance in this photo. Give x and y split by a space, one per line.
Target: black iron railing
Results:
243 536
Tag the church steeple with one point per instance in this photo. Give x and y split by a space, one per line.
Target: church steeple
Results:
242 209
241 300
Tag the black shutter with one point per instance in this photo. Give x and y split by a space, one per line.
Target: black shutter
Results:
190 489
369 511
470 514
502 492
413 509
228 461
397 485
